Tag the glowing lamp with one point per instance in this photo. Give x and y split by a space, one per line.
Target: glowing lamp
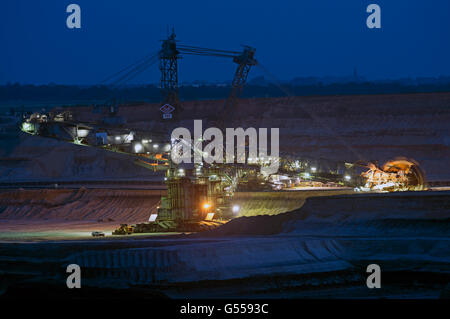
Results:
138 148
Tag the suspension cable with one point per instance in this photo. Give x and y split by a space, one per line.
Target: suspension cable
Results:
128 67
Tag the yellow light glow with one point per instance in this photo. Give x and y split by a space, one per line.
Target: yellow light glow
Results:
206 205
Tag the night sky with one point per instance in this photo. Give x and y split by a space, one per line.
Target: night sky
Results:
292 38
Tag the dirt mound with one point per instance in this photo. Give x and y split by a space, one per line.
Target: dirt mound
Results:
355 214
81 204
274 203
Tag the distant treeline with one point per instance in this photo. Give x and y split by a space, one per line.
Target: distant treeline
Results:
151 93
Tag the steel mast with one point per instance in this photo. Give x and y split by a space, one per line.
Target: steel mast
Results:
168 65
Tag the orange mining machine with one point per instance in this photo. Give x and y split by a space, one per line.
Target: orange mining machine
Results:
399 174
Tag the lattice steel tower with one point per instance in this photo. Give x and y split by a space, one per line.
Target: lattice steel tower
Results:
168 64
244 61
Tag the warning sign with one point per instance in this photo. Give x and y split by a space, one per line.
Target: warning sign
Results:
167 108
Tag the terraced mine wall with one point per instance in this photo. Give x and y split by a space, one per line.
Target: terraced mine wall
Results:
129 205
408 212
79 204
330 240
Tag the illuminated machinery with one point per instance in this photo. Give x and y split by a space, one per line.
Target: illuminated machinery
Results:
197 199
171 52
309 172
149 149
399 174
200 197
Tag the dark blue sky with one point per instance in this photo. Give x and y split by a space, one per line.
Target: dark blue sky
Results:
292 38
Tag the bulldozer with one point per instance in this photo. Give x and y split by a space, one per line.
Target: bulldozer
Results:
124 229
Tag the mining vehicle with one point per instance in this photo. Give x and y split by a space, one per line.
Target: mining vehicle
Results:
124 229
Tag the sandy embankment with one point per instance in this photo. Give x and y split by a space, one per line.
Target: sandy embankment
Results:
73 213
274 203
64 213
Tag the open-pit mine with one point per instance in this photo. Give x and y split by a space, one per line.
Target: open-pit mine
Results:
361 179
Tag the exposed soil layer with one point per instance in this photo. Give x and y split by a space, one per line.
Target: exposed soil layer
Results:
341 128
